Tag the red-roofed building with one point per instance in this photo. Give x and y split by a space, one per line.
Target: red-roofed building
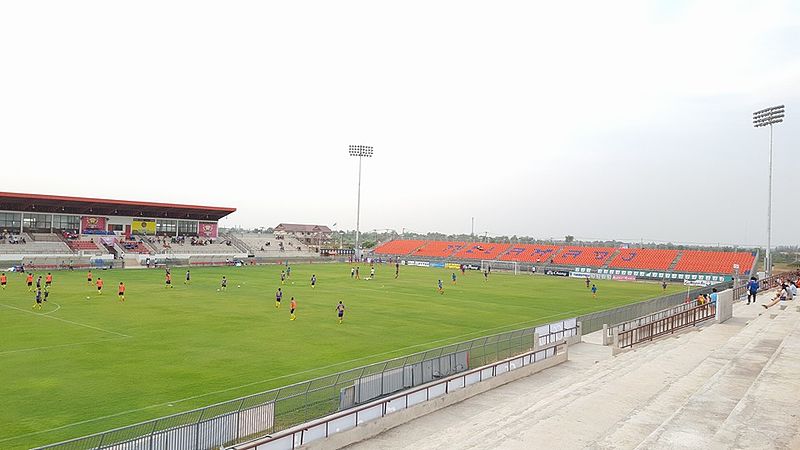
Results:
56 213
307 234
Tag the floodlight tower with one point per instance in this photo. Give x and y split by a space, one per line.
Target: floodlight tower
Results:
762 118
361 151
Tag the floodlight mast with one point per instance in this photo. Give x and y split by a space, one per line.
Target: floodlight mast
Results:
361 151
769 116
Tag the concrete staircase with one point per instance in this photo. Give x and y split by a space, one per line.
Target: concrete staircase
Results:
730 385
674 264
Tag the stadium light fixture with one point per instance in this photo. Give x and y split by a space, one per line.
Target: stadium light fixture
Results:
361 151
762 118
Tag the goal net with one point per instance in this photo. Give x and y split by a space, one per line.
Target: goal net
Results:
493 264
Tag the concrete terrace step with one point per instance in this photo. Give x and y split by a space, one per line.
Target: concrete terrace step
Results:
724 385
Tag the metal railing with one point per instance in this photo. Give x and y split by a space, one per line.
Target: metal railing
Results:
666 325
271 411
644 320
764 284
594 321
354 417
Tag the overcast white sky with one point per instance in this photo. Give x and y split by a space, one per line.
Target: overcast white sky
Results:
625 119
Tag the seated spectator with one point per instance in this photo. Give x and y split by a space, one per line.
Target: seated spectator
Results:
780 296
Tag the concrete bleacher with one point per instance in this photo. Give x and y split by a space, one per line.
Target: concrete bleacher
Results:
272 248
34 247
729 385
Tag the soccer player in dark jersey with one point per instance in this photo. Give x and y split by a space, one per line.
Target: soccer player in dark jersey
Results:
38 304
441 287
188 278
453 277
357 277
485 275
396 270
594 291
664 285
278 297
39 282
313 281
587 282
288 270
224 284
340 311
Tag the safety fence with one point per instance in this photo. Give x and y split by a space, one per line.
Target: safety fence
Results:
666 325
354 417
644 320
278 409
594 321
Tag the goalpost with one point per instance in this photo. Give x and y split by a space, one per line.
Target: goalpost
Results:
500 265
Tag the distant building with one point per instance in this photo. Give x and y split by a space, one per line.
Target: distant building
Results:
307 234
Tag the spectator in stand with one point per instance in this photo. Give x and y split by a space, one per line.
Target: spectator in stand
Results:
752 289
780 296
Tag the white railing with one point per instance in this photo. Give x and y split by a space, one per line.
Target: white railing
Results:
354 417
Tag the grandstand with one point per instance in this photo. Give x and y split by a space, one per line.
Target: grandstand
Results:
682 262
438 249
643 258
399 247
49 230
270 245
530 253
479 250
714 262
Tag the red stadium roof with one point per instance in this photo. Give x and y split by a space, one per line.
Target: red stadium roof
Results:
11 201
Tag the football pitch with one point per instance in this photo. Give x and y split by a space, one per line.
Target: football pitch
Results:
86 363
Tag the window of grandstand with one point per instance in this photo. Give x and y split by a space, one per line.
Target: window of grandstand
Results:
10 221
169 227
36 222
187 228
64 222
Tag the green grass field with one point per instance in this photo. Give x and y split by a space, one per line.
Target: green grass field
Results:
82 365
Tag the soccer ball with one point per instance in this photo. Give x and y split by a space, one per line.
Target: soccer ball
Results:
238 285
87 298
292 282
217 290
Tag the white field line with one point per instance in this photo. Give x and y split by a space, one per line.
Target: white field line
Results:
67 321
51 312
31 349
221 391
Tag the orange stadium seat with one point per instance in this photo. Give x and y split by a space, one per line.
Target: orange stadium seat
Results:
480 250
530 253
714 262
644 258
82 245
398 247
439 249
583 256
